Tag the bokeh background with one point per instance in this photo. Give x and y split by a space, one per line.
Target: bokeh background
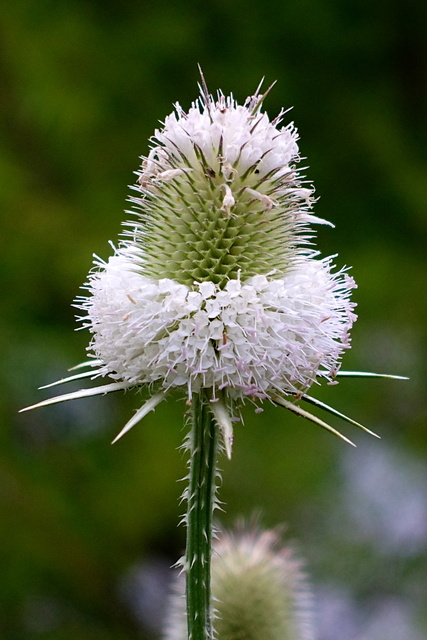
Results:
88 531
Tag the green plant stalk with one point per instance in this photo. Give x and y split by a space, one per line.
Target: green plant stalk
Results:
203 449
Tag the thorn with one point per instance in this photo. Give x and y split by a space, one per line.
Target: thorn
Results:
205 92
294 408
261 99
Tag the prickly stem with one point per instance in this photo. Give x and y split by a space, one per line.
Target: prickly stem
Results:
203 450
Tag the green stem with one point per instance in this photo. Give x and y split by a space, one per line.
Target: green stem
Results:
201 498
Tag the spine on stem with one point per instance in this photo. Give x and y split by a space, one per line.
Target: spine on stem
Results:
203 449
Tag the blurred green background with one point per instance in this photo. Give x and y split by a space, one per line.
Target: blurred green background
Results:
87 530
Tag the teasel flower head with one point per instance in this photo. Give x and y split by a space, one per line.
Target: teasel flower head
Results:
259 587
215 285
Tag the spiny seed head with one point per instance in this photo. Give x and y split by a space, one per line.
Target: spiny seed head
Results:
219 196
213 286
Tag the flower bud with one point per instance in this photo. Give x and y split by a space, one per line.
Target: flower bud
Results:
259 590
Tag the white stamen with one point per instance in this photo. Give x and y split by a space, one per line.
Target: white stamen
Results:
268 202
228 200
170 174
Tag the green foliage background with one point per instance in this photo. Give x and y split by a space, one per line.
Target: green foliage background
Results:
83 85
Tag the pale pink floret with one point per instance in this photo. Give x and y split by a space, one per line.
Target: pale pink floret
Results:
252 338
